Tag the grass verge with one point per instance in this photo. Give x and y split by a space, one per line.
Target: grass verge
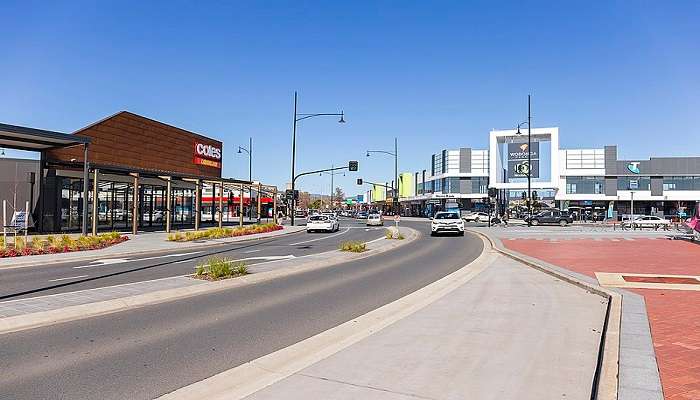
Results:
217 268
353 246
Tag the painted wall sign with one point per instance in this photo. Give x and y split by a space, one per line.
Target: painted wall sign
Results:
633 167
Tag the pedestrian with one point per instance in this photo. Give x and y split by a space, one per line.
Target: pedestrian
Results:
505 219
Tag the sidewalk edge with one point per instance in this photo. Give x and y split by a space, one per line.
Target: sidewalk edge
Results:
606 376
82 311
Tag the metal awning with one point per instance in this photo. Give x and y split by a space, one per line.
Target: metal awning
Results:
23 138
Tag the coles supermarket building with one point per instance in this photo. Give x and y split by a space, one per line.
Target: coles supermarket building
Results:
125 172
593 180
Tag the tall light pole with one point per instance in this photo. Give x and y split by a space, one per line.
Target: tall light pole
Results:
394 187
529 160
249 150
298 117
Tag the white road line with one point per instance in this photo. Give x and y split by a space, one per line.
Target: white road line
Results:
251 251
167 255
70 277
105 261
322 238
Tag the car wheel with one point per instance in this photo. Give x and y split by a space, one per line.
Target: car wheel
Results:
563 222
535 222
461 233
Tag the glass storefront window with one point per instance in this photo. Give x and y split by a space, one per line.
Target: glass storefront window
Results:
585 185
682 183
633 183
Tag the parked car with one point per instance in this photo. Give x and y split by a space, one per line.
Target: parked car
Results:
374 220
552 216
477 217
647 221
322 223
447 221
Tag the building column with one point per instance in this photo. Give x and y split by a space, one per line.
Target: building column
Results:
240 215
168 199
135 212
221 204
274 205
95 200
259 202
86 190
197 201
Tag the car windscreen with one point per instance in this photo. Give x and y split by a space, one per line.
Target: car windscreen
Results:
446 216
318 218
374 216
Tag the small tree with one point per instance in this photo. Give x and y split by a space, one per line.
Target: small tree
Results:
315 205
338 196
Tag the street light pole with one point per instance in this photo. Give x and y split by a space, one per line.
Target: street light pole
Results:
249 151
394 187
298 117
529 164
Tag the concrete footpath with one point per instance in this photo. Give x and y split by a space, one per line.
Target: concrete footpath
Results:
495 329
143 243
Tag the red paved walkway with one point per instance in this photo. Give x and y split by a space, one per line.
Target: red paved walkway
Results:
674 315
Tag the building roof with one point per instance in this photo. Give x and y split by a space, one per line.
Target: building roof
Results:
24 138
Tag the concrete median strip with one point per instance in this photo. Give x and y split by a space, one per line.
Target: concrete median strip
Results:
282 267
246 379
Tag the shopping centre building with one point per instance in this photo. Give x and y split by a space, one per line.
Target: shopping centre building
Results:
592 181
145 174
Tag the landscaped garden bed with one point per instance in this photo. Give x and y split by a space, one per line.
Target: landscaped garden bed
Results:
217 268
57 244
218 233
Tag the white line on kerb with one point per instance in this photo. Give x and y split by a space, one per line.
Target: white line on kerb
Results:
70 277
322 238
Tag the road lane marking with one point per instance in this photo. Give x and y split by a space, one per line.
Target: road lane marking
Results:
167 255
287 257
105 261
70 277
251 251
322 238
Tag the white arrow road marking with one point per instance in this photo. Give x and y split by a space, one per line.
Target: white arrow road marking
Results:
322 238
70 277
109 261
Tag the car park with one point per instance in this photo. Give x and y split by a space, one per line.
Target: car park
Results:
647 221
446 221
476 217
552 216
374 220
322 223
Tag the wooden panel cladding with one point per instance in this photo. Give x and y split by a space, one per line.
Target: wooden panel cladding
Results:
131 141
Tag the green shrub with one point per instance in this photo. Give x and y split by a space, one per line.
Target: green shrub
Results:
389 234
37 243
20 244
216 268
2 242
51 240
353 246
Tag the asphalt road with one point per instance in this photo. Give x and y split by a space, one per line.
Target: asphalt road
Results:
40 280
146 352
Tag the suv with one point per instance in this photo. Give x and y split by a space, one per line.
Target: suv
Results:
553 216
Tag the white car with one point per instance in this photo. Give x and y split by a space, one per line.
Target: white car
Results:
322 223
374 220
447 221
647 221
477 217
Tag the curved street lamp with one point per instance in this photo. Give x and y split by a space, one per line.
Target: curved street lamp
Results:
394 187
249 151
300 117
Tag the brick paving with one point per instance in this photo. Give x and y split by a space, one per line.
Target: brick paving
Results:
674 315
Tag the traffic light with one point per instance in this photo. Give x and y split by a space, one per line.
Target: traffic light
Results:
523 195
359 181
534 195
352 165
288 194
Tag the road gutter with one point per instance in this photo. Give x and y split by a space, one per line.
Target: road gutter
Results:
248 378
606 376
311 262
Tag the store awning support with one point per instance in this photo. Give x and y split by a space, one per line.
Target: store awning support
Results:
168 213
135 211
220 211
240 214
95 200
86 187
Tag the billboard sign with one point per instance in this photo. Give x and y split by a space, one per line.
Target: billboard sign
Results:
517 160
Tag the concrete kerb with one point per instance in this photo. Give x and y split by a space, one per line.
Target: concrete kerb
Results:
208 244
315 261
246 379
606 378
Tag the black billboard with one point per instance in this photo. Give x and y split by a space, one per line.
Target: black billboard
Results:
517 160
518 169
518 151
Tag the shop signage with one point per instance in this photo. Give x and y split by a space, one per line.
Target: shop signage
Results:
518 166
633 167
207 155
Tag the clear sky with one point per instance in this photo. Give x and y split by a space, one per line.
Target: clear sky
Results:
434 74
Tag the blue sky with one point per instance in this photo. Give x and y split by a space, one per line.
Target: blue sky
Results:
434 74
